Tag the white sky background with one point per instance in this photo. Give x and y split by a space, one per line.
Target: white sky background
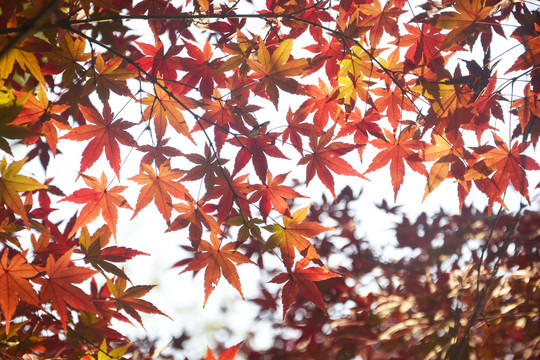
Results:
180 296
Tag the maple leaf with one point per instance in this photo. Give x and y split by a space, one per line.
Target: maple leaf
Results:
353 70
159 187
361 126
425 50
326 51
230 191
207 167
447 155
14 284
293 235
158 61
104 353
101 257
272 194
128 299
110 77
255 148
394 102
66 57
509 165
325 157
465 24
324 103
98 198
380 20
194 215
164 109
240 52
302 279
24 58
227 354
59 288
219 115
295 128
11 183
104 135
159 153
45 116
275 70
395 151
217 260
10 108
200 68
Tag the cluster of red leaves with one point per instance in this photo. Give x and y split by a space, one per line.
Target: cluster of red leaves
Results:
63 65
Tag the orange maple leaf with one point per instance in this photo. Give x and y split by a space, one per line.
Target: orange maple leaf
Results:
395 150
323 102
380 20
394 102
194 216
128 299
111 77
159 187
11 183
301 279
217 260
104 135
67 57
509 165
43 115
447 155
14 284
275 70
293 235
227 354
164 109
465 24
59 288
97 199
325 157
24 58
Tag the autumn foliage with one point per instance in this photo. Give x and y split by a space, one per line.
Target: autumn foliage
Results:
224 116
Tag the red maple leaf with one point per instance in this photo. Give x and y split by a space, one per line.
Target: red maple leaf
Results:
302 279
230 191
325 157
296 129
272 194
201 68
255 148
158 61
104 135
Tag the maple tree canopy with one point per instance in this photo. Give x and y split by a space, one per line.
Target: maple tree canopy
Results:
224 116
